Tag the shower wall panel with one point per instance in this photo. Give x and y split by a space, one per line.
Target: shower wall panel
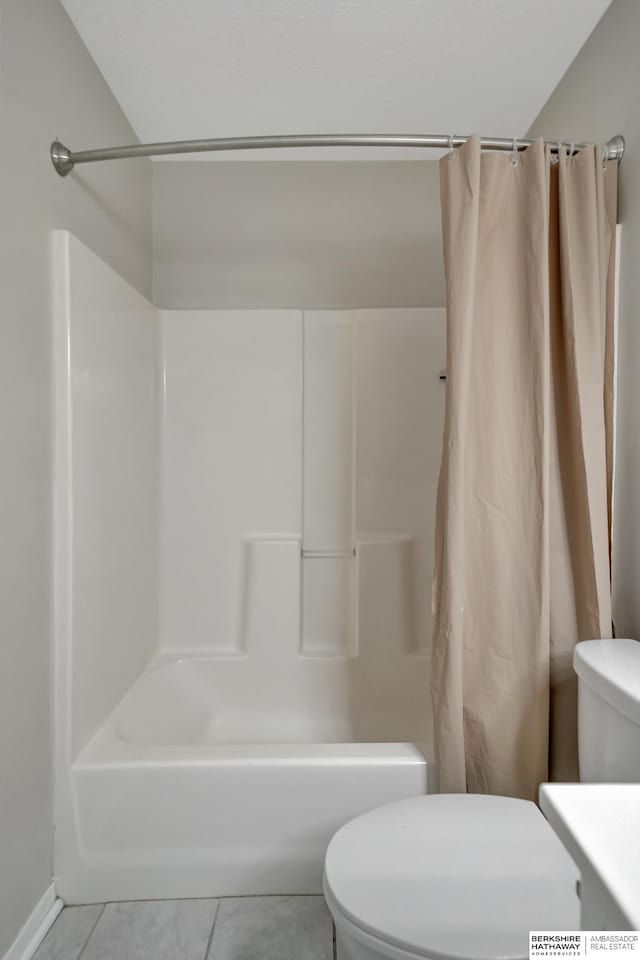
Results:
231 469
399 412
373 414
328 432
105 338
328 614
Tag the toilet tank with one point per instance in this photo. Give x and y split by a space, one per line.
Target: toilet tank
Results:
608 710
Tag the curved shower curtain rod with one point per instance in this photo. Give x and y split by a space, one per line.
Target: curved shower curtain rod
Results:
64 159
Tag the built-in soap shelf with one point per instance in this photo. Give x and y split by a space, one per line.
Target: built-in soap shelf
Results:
365 601
328 605
361 602
391 599
269 614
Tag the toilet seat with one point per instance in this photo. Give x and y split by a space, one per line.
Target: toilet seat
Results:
450 877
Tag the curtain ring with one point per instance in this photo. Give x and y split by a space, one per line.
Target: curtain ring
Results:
515 159
451 145
555 157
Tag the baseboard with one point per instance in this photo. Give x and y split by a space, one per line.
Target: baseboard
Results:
36 927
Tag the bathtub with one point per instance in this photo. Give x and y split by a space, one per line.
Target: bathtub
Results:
185 792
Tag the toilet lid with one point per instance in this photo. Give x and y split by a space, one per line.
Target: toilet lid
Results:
452 876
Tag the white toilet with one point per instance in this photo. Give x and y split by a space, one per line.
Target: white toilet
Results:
461 877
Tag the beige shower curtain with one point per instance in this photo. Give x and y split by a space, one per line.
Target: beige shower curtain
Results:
523 508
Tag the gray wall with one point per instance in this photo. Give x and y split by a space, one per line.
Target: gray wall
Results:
48 85
599 97
297 234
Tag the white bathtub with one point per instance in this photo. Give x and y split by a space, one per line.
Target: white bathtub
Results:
179 795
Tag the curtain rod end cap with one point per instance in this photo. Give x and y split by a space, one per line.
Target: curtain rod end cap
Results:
615 148
60 158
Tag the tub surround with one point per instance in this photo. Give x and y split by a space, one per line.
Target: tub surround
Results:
599 825
244 514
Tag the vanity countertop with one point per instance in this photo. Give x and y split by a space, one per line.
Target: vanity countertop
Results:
599 825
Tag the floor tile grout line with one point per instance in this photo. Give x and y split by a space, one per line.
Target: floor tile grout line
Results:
90 934
207 952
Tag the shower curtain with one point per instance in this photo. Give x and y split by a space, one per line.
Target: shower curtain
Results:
523 516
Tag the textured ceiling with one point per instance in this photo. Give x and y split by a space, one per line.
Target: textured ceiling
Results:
219 68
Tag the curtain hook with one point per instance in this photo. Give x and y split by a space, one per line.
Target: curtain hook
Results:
452 152
555 158
515 159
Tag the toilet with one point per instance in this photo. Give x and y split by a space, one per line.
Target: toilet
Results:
466 877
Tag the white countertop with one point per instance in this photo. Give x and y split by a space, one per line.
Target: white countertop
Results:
599 825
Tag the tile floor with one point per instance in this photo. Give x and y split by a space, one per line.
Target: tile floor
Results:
233 928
